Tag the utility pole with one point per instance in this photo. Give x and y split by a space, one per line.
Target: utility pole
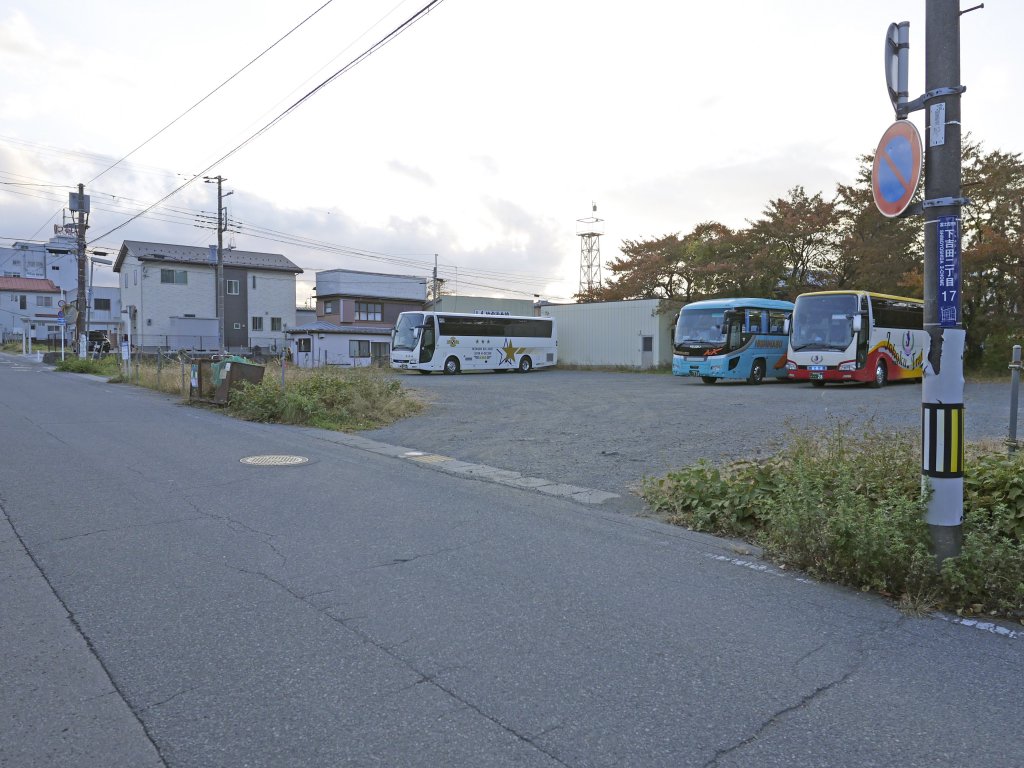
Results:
221 226
435 296
79 204
942 392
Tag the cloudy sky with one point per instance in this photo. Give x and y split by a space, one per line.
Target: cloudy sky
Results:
481 133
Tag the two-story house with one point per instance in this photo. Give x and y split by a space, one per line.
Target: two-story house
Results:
29 305
169 294
356 312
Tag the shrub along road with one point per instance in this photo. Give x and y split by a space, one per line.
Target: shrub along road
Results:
166 605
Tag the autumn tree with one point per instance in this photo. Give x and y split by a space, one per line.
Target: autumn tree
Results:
795 238
873 252
993 251
647 269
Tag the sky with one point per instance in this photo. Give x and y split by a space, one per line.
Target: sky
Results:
477 137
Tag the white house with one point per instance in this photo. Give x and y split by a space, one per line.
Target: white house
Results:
170 294
28 305
324 343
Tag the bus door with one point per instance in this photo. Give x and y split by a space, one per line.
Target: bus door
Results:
735 320
428 339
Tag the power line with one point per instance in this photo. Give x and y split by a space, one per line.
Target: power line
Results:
361 57
236 74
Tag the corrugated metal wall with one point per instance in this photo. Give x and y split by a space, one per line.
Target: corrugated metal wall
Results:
611 333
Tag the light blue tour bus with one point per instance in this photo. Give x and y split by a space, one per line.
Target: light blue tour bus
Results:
743 339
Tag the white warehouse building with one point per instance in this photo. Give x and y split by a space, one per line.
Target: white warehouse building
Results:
613 333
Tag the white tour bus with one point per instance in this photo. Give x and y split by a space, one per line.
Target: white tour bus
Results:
856 336
453 342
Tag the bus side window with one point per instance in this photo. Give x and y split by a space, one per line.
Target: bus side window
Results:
777 323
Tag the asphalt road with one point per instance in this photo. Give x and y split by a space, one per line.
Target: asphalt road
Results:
609 430
165 604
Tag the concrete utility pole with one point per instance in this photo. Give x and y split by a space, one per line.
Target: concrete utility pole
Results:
79 204
942 392
221 226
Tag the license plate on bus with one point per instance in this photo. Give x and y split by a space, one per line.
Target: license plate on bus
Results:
815 376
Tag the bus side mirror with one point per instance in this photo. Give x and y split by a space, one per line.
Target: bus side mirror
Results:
857 323
785 326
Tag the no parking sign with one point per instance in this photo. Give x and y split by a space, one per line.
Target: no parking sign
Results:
897 169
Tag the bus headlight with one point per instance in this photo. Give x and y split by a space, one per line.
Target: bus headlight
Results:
850 365
790 365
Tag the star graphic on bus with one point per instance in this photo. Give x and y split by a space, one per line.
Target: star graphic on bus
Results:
510 351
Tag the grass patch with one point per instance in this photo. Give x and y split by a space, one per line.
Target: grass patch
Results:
328 398
847 507
104 366
346 399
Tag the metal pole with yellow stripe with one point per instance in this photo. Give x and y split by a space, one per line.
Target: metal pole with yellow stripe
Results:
942 390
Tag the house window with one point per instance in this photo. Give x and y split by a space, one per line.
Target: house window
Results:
380 350
135 277
257 323
44 301
174 276
367 311
233 287
237 326
23 302
101 305
303 344
275 323
254 282
328 307
646 343
358 348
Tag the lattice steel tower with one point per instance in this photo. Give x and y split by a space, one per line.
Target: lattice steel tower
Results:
589 231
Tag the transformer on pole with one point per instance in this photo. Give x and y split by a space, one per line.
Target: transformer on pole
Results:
589 231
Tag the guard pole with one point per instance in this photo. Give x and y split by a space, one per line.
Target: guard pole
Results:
942 391
1011 440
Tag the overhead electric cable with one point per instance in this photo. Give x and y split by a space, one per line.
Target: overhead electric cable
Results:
261 55
361 57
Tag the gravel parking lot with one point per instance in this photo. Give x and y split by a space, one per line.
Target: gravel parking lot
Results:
608 430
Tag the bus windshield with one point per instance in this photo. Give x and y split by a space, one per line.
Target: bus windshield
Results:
824 321
703 326
407 331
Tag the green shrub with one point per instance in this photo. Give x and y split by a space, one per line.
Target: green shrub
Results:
849 508
104 366
357 398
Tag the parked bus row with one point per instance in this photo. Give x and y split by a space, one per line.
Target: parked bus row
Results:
827 336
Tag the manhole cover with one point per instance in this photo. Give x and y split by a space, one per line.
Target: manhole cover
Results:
274 461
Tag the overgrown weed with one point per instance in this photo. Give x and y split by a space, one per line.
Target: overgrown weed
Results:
848 507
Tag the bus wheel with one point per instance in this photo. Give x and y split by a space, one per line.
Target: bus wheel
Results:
881 375
756 372
451 365
709 379
525 364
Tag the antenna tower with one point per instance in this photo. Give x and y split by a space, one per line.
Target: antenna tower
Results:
589 231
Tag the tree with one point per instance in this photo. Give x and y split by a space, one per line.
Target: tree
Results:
795 238
993 252
648 269
873 252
